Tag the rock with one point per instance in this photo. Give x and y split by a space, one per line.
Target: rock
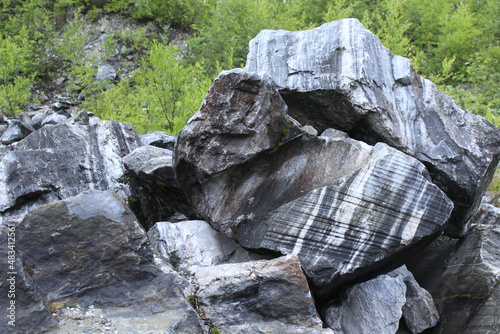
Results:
155 193
377 205
339 75
16 131
194 243
419 311
377 305
80 118
37 120
23 309
100 255
486 317
241 116
471 279
374 306
159 139
60 161
106 72
368 206
266 296
54 118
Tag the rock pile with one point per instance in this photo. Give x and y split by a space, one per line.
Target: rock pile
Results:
290 203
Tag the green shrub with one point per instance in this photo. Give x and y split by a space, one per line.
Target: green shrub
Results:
162 95
15 81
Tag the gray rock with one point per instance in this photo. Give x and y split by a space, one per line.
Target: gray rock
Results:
106 72
471 279
155 193
54 118
37 120
377 205
60 161
241 116
24 311
16 131
195 243
159 139
100 255
419 311
80 118
266 296
340 75
374 306
366 207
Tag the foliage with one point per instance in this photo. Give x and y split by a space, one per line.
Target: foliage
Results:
454 43
162 95
15 80
223 34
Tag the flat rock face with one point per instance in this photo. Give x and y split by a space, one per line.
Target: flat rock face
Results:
374 306
24 311
194 243
339 75
60 161
468 297
340 230
90 250
267 296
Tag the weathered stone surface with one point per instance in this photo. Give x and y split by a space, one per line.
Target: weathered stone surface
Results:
364 217
241 116
155 193
16 131
90 250
419 311
266 296
195 243
471 279
24 311
60 161
54 118
159 139
374 306
339 75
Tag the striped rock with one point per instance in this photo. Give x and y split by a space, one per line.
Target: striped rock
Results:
340 75
356 224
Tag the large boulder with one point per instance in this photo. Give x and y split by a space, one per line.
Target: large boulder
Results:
266 296
368 206
241 117
368 215
60 161
90 251
464 275
340 75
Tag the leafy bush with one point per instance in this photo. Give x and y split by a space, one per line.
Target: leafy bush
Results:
162 95
15 81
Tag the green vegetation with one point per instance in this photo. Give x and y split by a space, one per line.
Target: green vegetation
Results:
454 43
